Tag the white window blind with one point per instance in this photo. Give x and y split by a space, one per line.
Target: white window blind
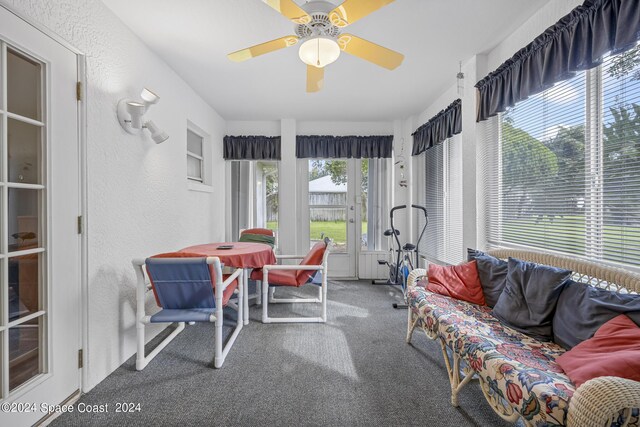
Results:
562 168
442 198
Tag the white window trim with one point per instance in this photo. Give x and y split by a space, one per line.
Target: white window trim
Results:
201 161
202 184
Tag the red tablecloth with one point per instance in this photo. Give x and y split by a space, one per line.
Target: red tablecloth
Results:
242 255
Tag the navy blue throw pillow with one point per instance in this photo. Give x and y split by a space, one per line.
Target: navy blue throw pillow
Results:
493 274
528 301
582 309
473 253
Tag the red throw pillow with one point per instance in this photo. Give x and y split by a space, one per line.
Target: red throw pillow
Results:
612 351
457 281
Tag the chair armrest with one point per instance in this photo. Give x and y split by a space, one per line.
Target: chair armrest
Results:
414 276
599 401
292 267
230 279
138 262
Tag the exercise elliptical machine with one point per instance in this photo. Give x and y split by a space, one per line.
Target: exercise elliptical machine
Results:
406 254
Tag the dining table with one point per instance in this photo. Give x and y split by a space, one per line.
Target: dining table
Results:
245 255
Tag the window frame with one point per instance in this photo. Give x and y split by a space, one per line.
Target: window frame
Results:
250 173
202 183
594 205
199 158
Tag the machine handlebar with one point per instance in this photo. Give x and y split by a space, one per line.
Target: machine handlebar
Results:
395 232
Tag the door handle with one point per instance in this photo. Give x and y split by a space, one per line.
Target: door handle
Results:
351 220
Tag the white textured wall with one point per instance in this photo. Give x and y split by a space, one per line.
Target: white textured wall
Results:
344 128
258 127
138 201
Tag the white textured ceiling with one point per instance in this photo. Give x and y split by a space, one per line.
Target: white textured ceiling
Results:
194 36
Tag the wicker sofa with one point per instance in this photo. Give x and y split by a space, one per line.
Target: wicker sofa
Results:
518 374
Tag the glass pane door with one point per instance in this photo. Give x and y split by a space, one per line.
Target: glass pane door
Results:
328 188
41 302
22 213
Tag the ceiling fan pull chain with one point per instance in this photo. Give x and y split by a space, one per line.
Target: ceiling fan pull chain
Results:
318 53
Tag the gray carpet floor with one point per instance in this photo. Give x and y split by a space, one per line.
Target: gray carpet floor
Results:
355 370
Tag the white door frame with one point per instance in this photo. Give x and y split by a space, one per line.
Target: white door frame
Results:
82 146
347 267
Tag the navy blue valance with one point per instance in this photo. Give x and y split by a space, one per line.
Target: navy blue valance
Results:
251 147
578 41
343 147
443 125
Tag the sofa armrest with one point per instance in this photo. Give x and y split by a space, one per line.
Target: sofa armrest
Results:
599 401
414 276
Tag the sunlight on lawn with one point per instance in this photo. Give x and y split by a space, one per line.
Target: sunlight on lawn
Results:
337 230
567 234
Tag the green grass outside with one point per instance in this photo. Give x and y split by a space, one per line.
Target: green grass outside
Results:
337 230
562 234
567 235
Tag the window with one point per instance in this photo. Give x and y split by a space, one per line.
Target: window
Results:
562 168
328 184
373 213
442 198
195 156
254 195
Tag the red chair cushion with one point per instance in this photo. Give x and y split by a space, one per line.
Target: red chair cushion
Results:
457 281
228 292
278 277
314 257
256 274
612 351
295 277
263 231
283 278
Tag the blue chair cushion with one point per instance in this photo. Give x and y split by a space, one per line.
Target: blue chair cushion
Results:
190 315
181 283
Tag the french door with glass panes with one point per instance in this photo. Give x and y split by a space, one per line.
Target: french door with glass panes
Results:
347 202
40 304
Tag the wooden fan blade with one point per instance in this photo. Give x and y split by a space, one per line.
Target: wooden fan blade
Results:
290 10
387 58
352 10
315 78
261 49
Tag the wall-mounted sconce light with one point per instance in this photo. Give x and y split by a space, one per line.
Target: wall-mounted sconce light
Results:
131 112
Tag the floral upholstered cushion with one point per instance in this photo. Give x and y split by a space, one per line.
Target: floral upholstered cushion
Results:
519 369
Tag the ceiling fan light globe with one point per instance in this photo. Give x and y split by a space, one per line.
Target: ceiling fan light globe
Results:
319 51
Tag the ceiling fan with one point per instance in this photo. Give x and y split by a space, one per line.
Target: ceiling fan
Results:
318 29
